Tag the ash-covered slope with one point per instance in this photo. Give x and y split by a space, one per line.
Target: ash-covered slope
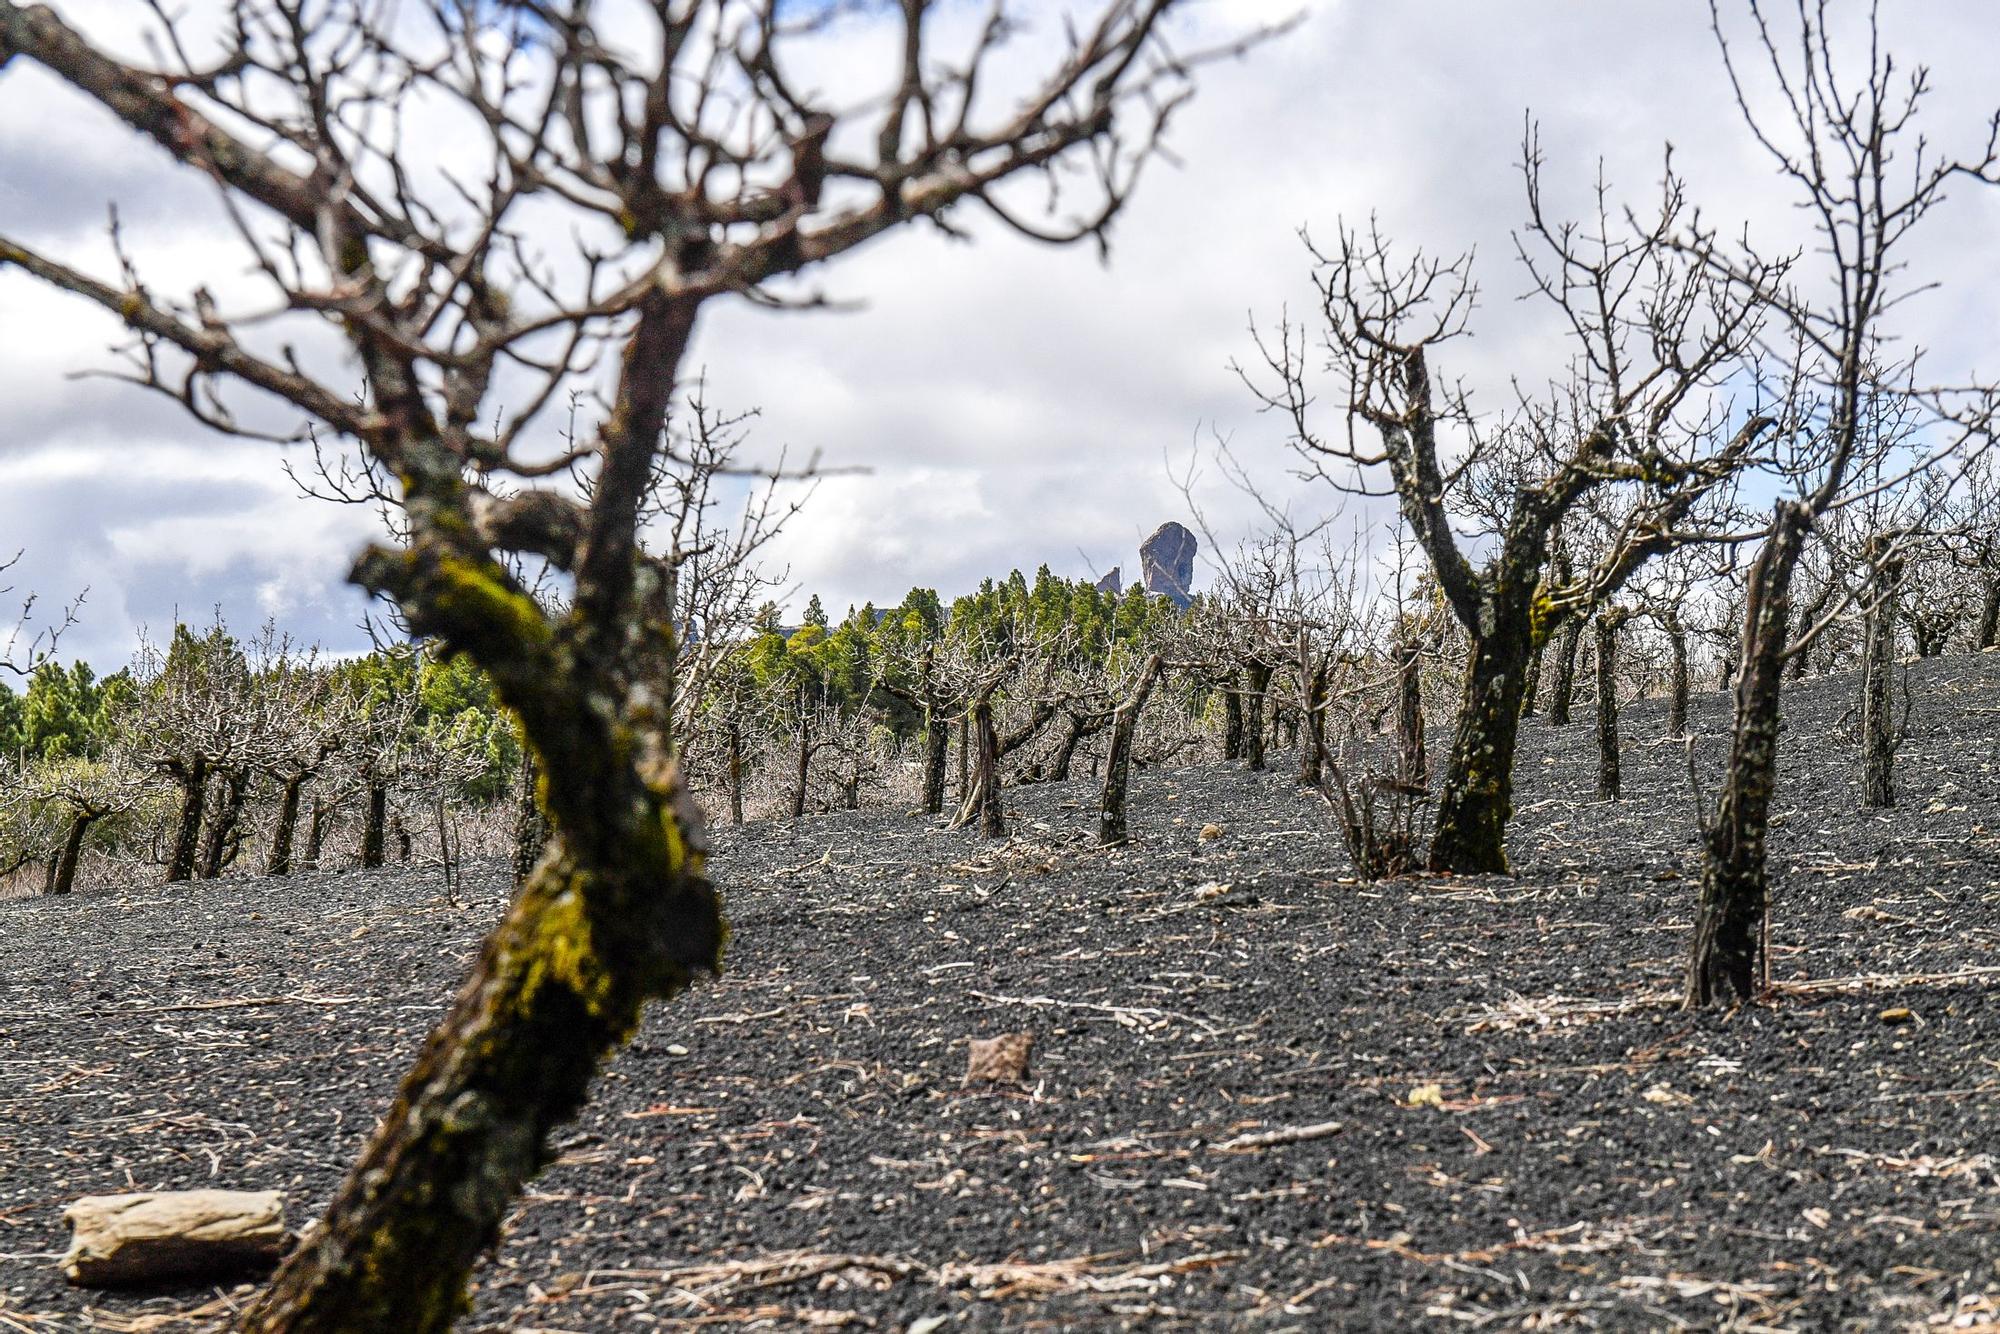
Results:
1528 1132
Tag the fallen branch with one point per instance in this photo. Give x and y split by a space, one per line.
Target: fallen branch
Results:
1272 1138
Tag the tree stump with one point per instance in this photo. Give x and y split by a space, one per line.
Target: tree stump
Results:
123 1240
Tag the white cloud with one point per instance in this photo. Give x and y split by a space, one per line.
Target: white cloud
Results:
1015 405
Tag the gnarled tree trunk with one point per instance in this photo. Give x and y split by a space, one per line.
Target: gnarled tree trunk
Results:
937 740
285 826
1256 681
63 880
986 777
1562 691
1477 797
219 848
1727 955
1111 828
193 779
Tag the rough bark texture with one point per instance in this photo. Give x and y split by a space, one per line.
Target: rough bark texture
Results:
1531 692
986 778
193 779
1727 953
316 827
560 983
1111 827
1989 616
285 827
1678 682
531 823
937 739
1312 754
1609 782
1563 690
736 774
219 847
64 879
1477 798
1065 752
1878 692
1414 763
964 757
375 826
1232 719
1256 681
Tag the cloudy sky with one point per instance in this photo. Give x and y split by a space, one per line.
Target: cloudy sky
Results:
1011 404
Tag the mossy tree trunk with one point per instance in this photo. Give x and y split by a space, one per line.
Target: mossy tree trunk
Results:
1111 826
531 823
618 910
1477 796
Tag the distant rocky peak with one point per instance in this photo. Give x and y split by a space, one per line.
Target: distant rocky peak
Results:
1167 563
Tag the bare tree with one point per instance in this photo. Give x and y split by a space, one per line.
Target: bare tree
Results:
692 163
1843 133
1643 408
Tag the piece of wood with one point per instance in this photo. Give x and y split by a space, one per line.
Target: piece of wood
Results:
154 1237
1272 1138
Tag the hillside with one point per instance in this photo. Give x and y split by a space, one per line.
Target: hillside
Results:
1530 1134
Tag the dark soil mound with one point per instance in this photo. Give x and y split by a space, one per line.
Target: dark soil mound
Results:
1260 1094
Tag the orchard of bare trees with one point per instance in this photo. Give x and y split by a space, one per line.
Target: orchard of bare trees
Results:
1734 473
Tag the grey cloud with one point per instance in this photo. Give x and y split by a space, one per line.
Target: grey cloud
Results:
1018 405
